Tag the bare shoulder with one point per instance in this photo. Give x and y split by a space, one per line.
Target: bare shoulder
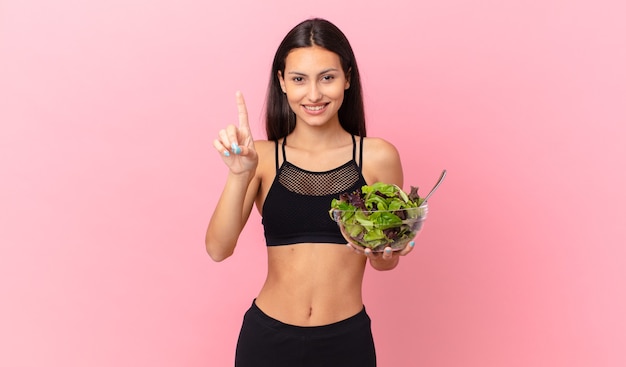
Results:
381 161
379 148
264 146
266 151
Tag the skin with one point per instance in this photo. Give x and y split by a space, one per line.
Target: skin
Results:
307 284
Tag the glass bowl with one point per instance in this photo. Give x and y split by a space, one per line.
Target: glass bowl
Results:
378 229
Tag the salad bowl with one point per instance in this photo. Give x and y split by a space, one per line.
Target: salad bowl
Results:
381 215
378 229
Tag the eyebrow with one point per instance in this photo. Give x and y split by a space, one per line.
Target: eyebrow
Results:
303 74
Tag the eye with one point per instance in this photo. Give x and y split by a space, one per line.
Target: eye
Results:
328 78
297 79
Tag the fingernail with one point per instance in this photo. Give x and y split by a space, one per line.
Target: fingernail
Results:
387 250
412 243
226 153
236 148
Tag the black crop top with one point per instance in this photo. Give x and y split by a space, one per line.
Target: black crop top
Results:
297 204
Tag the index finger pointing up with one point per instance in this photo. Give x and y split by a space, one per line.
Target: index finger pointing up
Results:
242 112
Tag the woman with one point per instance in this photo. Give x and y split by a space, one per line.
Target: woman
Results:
310 311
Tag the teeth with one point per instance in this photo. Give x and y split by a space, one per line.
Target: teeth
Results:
314 108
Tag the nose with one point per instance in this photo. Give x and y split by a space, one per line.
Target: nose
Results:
315 94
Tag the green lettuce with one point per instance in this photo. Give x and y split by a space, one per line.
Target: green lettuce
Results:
378 215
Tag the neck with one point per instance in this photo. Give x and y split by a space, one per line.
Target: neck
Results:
318 137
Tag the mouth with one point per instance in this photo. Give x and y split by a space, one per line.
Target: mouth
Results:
317 108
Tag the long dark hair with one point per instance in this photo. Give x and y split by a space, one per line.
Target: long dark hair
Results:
280 120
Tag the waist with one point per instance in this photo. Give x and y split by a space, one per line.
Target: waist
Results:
312 284
327 330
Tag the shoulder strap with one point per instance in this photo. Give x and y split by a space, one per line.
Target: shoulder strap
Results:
276 154
359 163
360 151
284 155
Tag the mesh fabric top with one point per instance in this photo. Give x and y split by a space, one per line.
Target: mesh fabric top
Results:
297 204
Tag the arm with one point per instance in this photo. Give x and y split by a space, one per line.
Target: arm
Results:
236 147
230 215
381 163
381 263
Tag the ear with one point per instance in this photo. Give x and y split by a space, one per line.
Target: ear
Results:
348 74
282 81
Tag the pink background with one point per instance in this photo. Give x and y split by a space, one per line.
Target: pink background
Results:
108 109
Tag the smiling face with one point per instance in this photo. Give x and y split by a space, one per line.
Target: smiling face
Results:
315 84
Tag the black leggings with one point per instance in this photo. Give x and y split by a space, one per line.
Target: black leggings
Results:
267 342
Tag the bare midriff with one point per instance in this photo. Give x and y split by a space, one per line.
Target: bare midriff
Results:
312 284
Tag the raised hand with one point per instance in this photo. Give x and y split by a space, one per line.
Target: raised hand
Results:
235 143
